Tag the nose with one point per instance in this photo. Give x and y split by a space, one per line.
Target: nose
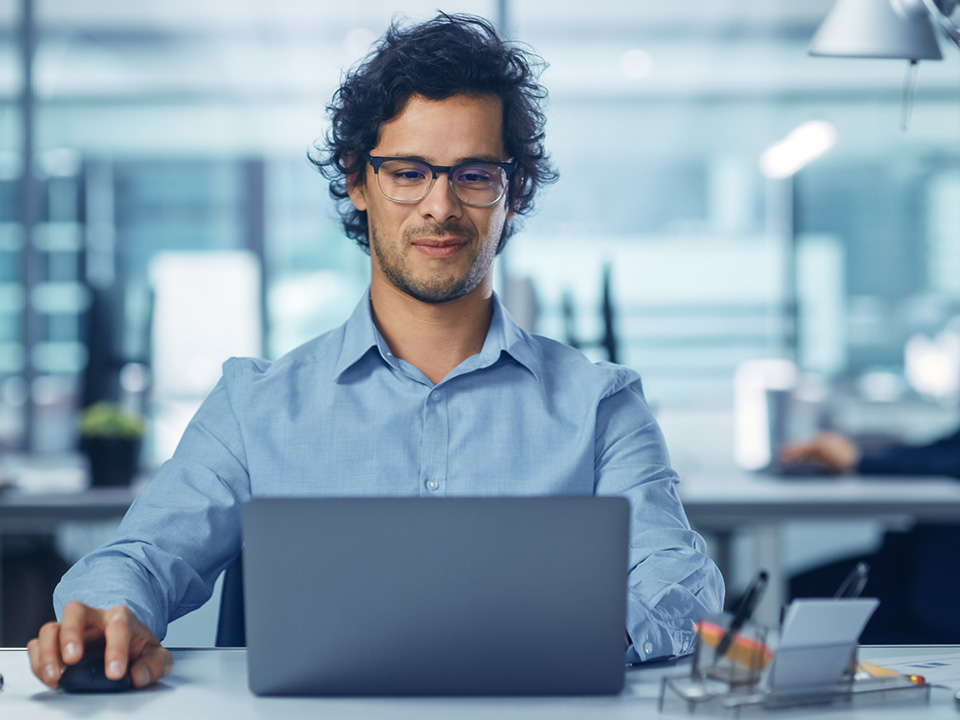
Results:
440 203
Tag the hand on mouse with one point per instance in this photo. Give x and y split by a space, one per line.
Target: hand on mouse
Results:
831 451
127 641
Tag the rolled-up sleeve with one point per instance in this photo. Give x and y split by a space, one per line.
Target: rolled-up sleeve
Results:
672 582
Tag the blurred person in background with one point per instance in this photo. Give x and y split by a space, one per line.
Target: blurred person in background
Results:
914 573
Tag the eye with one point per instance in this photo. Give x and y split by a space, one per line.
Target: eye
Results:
409 175
405 173
475 175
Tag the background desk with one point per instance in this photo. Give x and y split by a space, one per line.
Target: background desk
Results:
722 501
213 684
718 502
33 512
42 512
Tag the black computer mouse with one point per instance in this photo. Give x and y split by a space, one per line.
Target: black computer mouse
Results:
88 675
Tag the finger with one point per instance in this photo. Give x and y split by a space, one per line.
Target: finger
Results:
117 632
48 654
796 453
33 652
792 452
155 663
75 619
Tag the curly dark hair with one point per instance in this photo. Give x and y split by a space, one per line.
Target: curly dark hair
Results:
445 56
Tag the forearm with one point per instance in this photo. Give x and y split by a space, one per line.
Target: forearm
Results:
177 537
672 582
106 578
936 459
181 531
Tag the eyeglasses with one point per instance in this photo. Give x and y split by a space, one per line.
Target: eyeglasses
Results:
407 180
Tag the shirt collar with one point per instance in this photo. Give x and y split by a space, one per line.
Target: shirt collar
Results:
505 336
360 336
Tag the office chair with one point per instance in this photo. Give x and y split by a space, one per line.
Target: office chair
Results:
231 631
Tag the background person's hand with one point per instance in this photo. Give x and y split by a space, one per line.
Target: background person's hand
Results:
831 451
61 644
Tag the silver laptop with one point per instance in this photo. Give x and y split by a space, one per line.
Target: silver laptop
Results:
454 596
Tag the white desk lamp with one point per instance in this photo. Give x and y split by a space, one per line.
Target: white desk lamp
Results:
897 29
901 29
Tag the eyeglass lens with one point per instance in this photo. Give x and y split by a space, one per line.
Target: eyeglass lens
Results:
474 184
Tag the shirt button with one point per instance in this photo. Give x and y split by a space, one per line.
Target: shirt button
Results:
435 396
433 485
648 648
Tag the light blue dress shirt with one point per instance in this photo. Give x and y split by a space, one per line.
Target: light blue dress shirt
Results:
340 416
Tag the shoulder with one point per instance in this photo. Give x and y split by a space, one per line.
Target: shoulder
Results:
313 358
610 394
562 363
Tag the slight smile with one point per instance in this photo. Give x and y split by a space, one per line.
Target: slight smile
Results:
438 249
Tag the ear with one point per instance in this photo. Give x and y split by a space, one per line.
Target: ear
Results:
356 188
512 204
357 197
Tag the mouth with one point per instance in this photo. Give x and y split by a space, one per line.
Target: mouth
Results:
437 248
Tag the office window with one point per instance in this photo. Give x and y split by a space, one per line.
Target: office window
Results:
177 126
659 115
315 274
168 127
11 293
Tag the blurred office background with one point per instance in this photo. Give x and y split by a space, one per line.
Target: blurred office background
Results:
172 218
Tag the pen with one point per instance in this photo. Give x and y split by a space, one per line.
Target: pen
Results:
853 584
748 652
749 603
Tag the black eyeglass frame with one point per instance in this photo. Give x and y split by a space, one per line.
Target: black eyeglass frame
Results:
509 169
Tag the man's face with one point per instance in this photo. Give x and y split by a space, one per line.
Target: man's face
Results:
438 249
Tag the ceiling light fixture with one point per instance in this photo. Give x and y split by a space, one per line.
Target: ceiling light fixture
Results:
804 144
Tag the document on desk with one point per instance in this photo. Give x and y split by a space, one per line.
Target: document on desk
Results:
937 669
817 641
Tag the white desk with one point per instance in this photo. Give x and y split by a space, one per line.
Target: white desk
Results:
724 500
209 684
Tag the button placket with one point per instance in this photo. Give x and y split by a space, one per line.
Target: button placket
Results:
433 465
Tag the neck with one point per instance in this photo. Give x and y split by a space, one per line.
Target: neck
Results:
434 338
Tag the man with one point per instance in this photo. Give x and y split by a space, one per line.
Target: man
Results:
430 389
913 572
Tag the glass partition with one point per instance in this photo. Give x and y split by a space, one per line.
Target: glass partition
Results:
182 127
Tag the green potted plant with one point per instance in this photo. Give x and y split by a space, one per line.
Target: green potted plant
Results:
110 437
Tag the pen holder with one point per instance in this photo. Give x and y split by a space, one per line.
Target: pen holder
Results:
744 660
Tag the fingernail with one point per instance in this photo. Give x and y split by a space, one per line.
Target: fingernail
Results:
142 676
51 673
115 670
71 651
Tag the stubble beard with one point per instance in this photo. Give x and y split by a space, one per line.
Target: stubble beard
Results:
442 287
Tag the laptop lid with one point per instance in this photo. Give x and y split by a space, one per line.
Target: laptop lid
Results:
452 596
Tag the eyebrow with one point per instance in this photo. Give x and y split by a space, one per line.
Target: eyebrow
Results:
461 161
